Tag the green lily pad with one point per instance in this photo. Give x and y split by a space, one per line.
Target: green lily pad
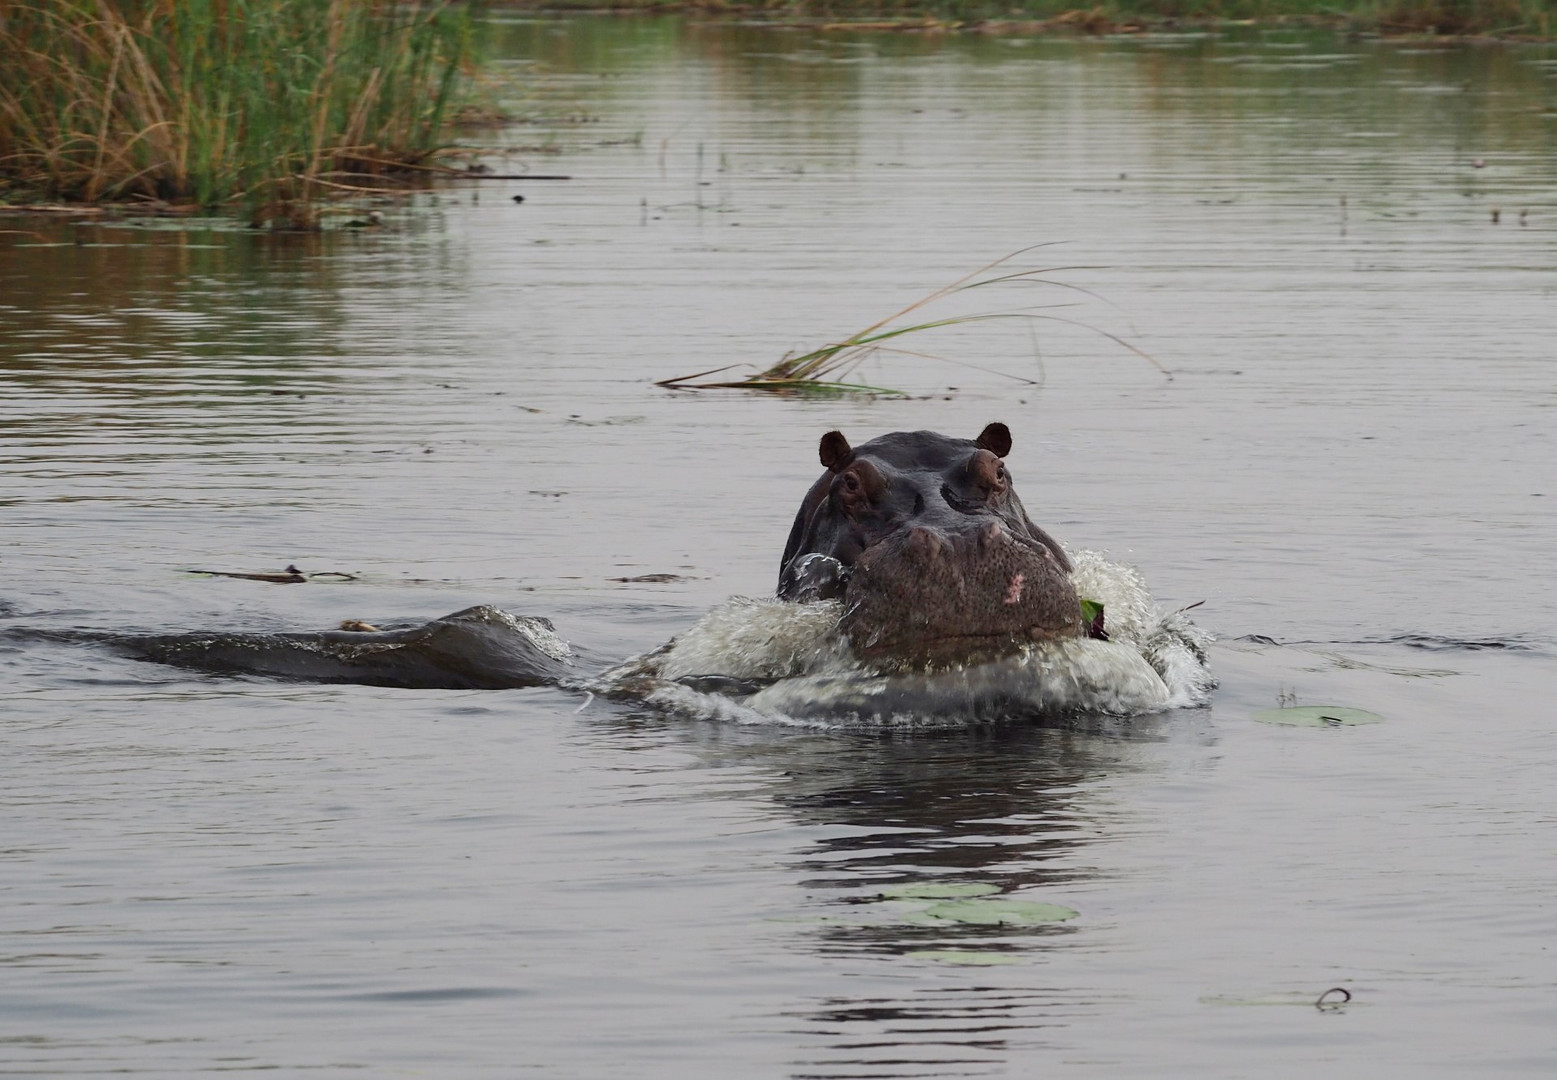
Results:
964 957
939 890
991 912
1317 716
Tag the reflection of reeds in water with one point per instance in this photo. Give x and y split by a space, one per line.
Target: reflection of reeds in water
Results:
1514 18
824 370
272 103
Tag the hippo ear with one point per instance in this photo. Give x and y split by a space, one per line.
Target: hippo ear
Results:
996 438
834 450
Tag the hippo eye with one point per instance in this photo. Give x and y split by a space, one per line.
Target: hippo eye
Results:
851 483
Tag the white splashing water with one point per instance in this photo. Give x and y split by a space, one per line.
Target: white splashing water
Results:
769 661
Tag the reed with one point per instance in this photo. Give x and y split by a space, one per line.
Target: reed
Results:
825 369
271 104
1520 19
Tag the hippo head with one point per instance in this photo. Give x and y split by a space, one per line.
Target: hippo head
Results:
924 540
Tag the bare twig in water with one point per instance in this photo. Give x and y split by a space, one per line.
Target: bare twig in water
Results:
290 576
823 370
1324 1001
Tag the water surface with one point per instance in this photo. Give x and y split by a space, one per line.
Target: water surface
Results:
1351 465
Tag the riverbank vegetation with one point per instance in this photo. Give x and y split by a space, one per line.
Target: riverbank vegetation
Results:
274 106
271 105
1448 18
824 371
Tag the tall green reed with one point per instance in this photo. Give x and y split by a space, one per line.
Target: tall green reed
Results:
268 103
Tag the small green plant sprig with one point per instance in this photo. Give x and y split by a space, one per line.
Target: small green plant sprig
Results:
825 371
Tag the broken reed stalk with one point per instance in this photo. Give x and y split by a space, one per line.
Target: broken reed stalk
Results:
214 102
822 370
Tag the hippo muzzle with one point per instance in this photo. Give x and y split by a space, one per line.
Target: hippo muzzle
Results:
927 594
924 540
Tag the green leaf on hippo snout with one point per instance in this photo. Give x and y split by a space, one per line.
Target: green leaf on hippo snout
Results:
1092 618
939 890
997 912
1317 716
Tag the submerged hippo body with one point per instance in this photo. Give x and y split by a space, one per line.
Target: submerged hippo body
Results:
914 590
924 540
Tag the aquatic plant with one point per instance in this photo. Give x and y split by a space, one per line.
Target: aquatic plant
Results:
1316 716
824 370
272 104
1504 18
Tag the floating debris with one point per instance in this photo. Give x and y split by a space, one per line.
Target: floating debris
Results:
1317 716
290 576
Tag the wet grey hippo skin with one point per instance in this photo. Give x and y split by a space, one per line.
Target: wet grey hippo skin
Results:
920 535
479 648
924 540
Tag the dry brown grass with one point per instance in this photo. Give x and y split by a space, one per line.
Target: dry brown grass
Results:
272 103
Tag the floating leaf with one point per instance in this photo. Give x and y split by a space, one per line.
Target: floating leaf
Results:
939 890
1284 998
1092 616
822 920
965 957
991 912
921 918
1317 716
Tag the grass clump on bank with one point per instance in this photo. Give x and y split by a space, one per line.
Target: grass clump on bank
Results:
269 104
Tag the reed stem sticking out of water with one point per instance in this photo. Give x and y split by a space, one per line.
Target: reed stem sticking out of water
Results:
823 370
268 103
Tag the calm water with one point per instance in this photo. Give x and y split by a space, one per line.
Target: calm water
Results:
1353 465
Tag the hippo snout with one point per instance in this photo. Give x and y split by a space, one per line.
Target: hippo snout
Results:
939 594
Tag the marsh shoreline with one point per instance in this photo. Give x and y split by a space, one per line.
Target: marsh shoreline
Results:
1438 20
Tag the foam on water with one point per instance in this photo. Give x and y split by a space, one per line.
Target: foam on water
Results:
761 639
1168 640
768 661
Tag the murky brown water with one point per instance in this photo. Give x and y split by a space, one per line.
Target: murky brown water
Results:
1354 458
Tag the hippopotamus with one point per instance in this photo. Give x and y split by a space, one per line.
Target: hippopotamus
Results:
924 540
910 556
